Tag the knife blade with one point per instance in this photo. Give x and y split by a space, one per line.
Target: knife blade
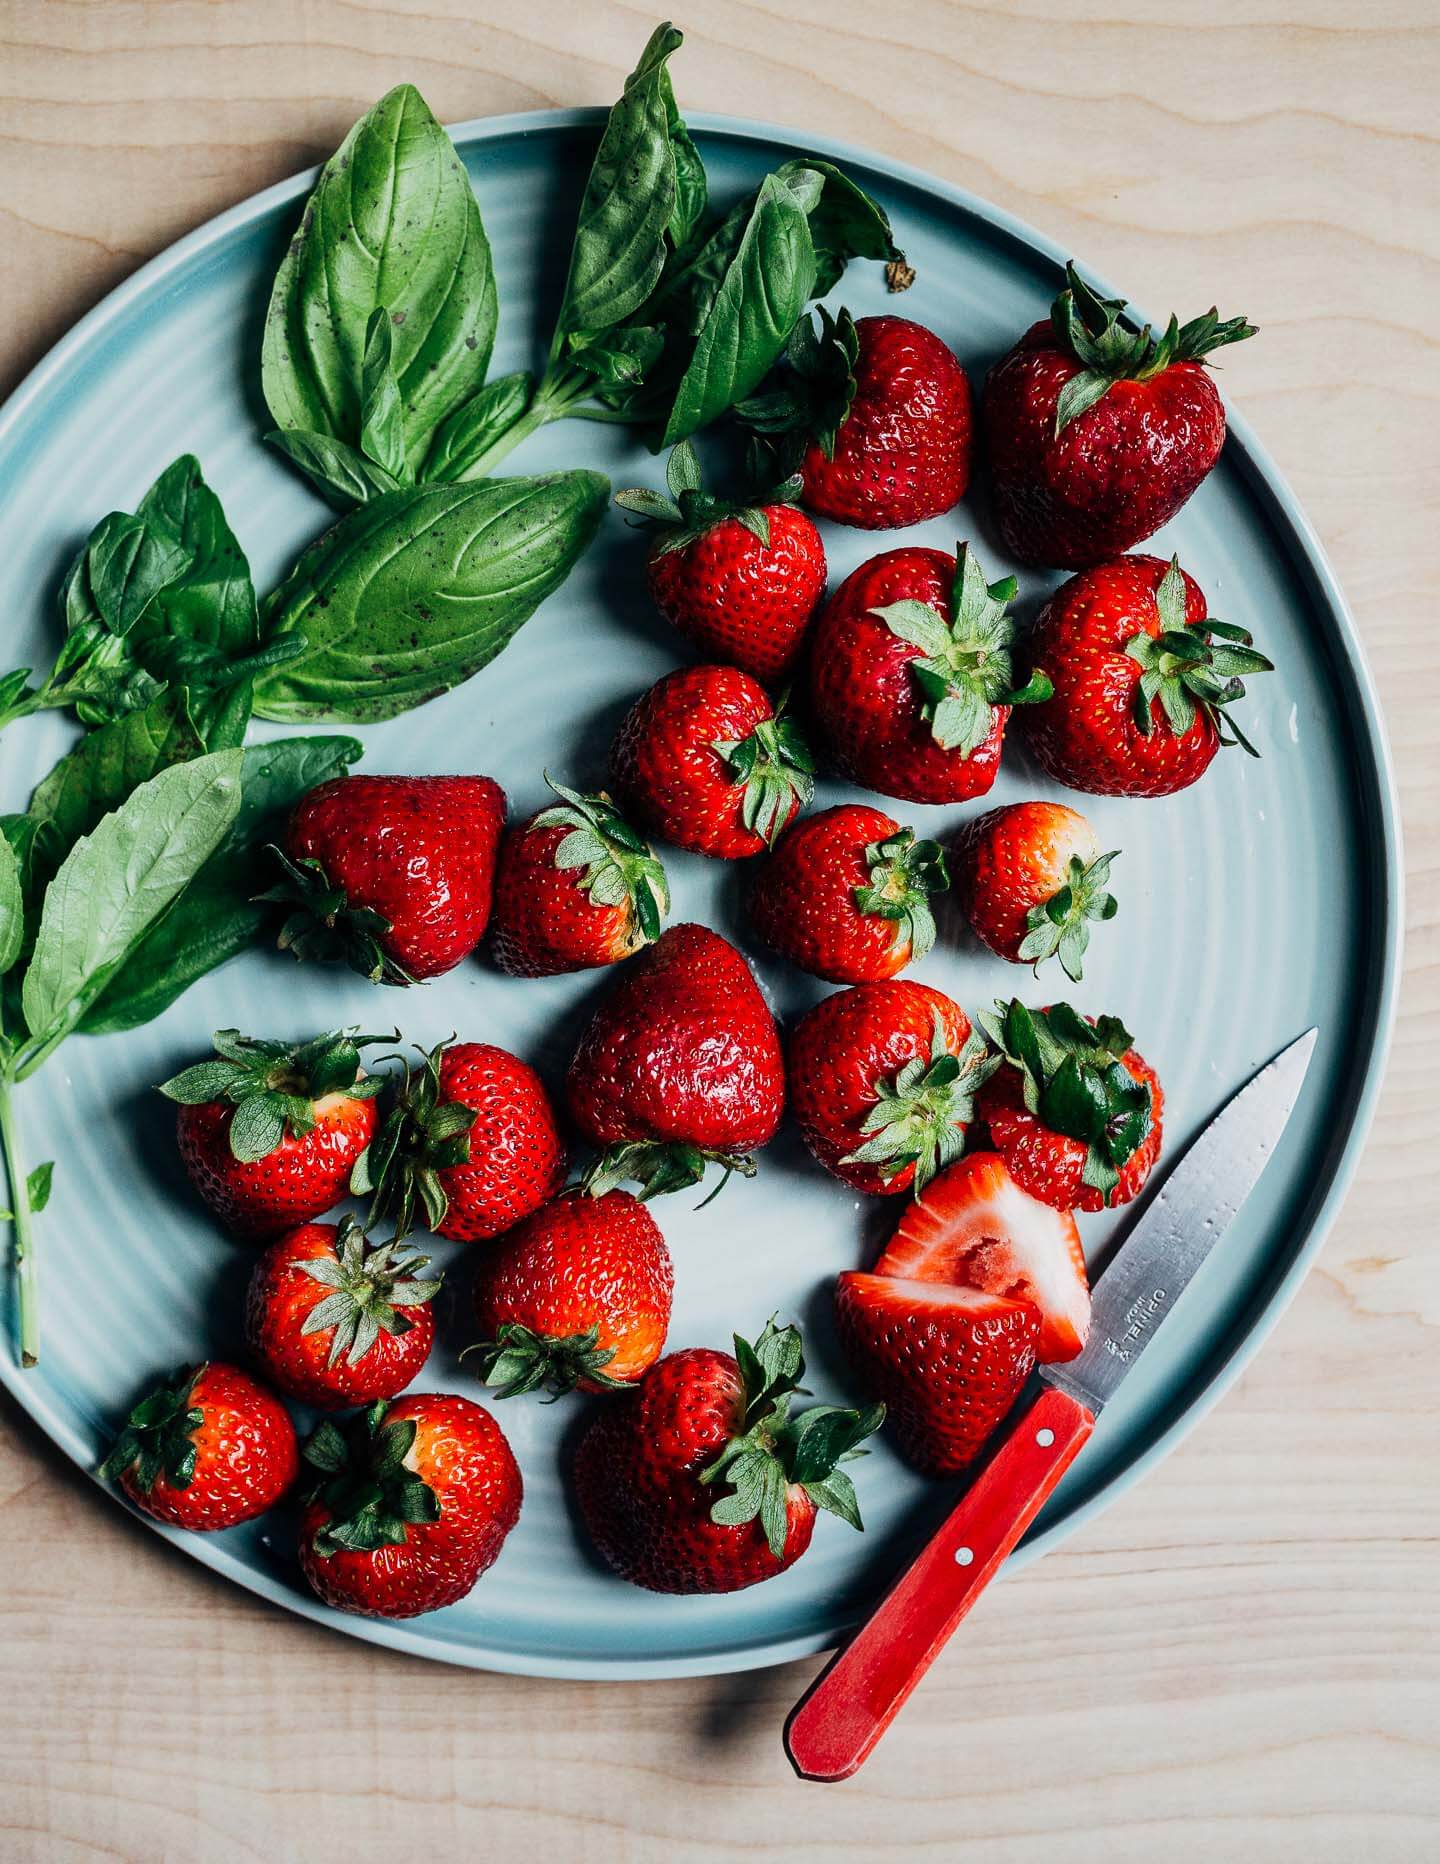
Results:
837 1722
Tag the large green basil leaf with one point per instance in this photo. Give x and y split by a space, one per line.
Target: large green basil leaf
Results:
218 915
105 766
417 590
763 292
630 200
115 883
392 225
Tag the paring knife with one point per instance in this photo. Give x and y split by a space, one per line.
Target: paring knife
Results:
849 1706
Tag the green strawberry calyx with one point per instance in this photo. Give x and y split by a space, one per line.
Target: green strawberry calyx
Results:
158 1437
903 875
421 1137
775 770
614 866
323 925
1060 925
275 1087
373 1499
519 1359
920 1117
662 1166
368 1284
1108 350
1188 673
964 669
690 512
770 1450
1076 1083
809 400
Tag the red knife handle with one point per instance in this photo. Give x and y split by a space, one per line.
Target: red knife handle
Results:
853 1701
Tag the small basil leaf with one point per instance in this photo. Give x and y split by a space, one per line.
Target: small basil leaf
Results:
340 472
12 906
466 433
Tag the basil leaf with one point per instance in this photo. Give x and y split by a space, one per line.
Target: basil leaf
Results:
419 589
12 906
629 202
105 766
125 565
763 293
115 883
845 222
340 472
213 600
218 916
465 433
392 225
382 419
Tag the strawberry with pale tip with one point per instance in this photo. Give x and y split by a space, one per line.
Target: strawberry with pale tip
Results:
270 1131
704 760
1032 879
576 888
740 579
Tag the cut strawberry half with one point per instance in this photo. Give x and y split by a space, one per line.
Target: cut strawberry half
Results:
973 1227
948 1363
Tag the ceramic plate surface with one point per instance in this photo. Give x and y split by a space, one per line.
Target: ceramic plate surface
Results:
1261 901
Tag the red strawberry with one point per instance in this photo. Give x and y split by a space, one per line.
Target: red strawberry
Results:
883 413
704 760
414 1502
703 1482
1138 683
910 677
973 1227
740 581
333 1320
208 1450
846 895
947 1363
271 1131
392 874
578 1294
576 887
881 1082
1031 877
680 1064
471 1143
1098 434
1075 1112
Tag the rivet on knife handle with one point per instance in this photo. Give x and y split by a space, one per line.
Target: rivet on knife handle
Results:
851 1704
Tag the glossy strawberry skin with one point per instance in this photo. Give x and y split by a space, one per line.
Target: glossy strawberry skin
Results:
1013 859
461 1452
637 1483
742 601
842 1047
517 1154
420 851
903 452
864 696
683 1049
578 1263
1114 475
1049 1165
803 901
947 1364
544 922
1086 736
302 1178
246 1456
279 1301
666 770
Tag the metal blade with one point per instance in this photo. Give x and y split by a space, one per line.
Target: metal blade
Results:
1194 1208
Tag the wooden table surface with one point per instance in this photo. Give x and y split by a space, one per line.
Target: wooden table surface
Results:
1241 1659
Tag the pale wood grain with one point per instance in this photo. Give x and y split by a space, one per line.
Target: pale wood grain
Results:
1241 1659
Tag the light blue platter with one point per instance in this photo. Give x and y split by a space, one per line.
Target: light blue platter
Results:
1272 888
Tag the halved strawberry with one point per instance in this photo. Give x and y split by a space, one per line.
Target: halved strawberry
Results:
947 1363
973 1227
